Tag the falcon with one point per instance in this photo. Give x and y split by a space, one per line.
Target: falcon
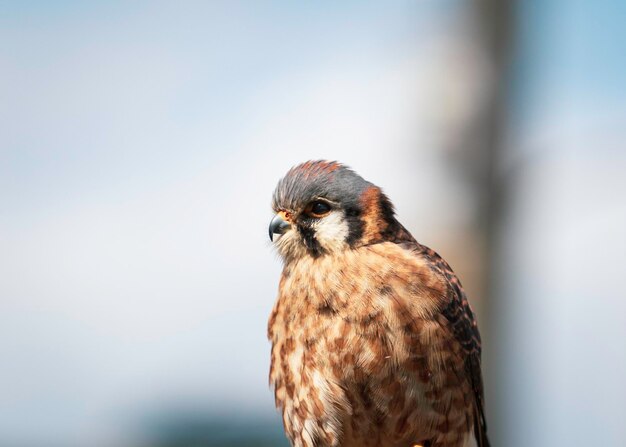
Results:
373 340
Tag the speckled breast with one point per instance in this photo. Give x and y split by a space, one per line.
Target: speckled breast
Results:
362 356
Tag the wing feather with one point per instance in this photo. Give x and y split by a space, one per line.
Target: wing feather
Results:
462 320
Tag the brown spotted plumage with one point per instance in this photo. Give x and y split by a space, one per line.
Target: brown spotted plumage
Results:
373 340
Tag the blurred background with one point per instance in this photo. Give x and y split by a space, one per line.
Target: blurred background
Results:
140 143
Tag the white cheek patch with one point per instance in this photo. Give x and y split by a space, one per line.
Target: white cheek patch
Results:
332 231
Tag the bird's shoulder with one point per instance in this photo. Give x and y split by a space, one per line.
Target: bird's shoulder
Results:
456 307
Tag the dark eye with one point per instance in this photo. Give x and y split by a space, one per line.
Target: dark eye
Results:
319 208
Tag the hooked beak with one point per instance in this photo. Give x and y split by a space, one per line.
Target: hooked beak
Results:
278 225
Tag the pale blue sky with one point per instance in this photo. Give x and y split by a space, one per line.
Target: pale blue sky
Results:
571 62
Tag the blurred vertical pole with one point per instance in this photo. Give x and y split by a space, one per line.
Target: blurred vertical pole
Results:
554 357
495 22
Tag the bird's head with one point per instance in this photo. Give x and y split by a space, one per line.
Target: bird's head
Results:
324 207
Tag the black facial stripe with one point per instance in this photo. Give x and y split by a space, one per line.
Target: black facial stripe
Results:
387 215
308 234
355 225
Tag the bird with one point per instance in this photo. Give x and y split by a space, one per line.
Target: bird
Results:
373 341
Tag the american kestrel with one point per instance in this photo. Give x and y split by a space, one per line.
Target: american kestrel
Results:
373 340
